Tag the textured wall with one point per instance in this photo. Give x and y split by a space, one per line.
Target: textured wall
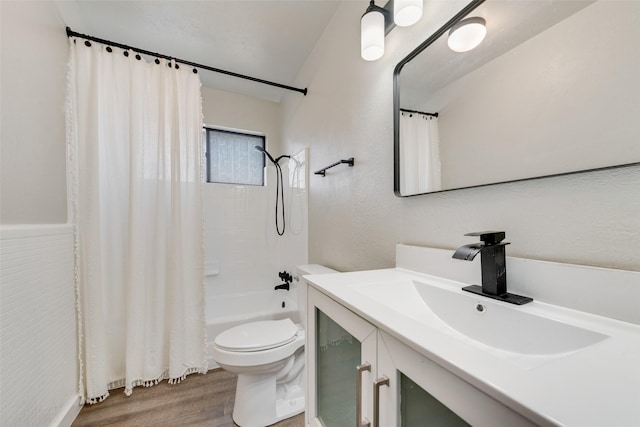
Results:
38 348
34 68
354 217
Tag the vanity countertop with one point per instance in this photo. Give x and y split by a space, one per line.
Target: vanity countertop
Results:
598 385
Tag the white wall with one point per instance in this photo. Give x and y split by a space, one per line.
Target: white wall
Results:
354 217
38 348
34 54
38 360
240 238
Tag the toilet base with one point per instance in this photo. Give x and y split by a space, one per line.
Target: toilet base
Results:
261 402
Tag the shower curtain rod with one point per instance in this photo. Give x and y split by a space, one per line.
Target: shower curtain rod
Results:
71 33
419 112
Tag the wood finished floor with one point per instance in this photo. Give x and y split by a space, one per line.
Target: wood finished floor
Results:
200 401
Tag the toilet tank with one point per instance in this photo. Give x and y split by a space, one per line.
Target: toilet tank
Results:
303 270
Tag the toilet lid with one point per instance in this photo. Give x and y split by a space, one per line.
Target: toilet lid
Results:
257 336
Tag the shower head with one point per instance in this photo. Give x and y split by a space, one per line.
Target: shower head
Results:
259 148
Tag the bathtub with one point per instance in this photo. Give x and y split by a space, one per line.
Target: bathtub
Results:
226 311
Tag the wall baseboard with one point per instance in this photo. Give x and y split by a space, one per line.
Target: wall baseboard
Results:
68 414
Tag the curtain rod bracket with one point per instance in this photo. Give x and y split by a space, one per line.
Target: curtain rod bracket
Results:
71 33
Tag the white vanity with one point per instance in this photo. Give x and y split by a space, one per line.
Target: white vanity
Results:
402 346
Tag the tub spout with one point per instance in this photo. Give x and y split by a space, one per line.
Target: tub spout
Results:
286 278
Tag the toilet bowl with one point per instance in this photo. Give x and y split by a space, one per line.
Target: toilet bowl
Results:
268 357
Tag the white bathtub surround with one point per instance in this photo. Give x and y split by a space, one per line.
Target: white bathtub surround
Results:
38 351
240 235
134 133
296 196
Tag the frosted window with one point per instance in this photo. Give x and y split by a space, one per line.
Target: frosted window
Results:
232 157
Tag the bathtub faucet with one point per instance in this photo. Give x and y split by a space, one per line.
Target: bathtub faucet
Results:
286 278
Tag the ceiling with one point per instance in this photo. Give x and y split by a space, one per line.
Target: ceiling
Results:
267 39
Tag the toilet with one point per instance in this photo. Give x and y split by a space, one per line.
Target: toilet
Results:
268 357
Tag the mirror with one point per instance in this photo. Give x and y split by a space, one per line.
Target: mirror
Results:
554 88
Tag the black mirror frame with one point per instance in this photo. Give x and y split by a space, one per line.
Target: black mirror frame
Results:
396 90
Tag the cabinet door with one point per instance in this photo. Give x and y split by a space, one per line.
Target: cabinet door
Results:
421 392
340 347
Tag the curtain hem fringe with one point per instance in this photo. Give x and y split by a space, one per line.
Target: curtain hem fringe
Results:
128 388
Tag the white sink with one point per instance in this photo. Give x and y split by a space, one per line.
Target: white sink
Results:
499 325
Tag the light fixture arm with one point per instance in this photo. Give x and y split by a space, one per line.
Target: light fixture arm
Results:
387 12
377 22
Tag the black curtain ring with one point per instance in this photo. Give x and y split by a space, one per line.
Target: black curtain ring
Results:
87 43
138 57
195 71
157 61
177 66
126 53
109 49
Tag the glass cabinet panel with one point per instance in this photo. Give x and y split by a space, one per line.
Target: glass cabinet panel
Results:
417 407
421 392
337 356
341 353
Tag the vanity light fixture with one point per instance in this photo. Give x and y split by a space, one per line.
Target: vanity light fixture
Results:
467 34
407 12
372 32
378 21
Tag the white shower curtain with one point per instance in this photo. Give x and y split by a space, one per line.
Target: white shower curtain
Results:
135 152
419 153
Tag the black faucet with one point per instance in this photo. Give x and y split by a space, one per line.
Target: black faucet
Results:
493 265
286 278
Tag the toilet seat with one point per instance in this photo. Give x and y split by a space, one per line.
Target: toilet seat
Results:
257 336
275 353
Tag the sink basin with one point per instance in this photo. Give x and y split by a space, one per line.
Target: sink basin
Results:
497 325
